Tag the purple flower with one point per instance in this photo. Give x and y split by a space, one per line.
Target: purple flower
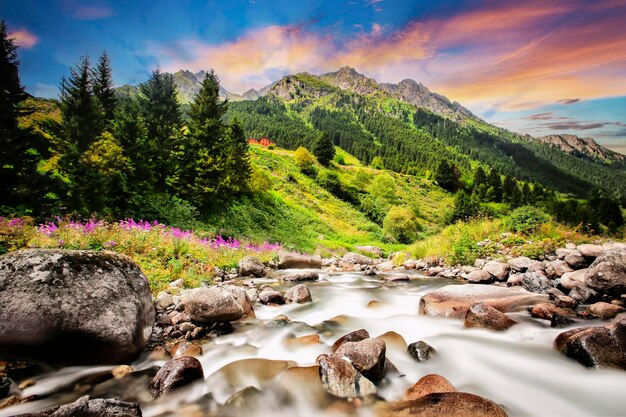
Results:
110 244
48 229
61 242
16 222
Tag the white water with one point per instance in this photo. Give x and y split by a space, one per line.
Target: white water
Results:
517 368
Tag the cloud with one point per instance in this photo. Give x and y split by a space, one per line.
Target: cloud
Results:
92 12
576 125
45 90
566 101
24 38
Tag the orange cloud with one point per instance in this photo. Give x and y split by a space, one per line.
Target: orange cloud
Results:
23 38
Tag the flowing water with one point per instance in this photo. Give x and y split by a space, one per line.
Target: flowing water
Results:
517 368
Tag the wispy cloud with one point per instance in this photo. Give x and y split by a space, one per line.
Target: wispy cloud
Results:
95 12
24 38
566 101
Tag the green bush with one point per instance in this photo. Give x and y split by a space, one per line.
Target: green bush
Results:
339 159
329 180
401 224
526 219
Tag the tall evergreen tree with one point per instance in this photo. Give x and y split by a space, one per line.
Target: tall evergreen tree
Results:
447 176
324 149
239 163
103 87
161 112
508 188
479 176
495 186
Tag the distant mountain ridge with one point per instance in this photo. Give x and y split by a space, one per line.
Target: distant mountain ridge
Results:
582 147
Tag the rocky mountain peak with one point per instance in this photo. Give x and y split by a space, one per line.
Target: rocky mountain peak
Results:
582 147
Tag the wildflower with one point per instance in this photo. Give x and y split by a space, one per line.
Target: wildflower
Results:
16 222
110 244
48 229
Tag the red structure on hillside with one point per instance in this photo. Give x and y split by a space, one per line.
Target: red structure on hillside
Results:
263 142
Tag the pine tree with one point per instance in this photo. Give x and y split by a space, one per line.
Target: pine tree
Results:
447 176
240 169
508 188
103 87
495 186
479 176
324 149
465 206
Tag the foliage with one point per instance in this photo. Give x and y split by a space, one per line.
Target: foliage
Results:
465 206
401 224
324 150
526 219
447 176
305 160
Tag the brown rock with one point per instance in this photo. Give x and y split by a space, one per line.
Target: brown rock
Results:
84 407
575 261
564 301
186 348
211 304
421 351
605 311
428 384
304 276
479 276
341 379
299 294
367 356
571 280
498 270
485 316
555 269
607 273
355 336
175 374
447 404
590 251
546 311
290 260
269 296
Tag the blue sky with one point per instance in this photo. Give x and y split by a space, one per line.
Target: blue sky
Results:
535 67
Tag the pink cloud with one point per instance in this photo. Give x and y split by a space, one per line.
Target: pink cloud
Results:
24 38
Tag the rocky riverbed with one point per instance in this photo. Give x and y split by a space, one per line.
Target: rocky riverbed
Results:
304 336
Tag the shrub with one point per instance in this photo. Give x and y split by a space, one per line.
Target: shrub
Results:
340 159
329 180
526 219
305 160
260 181
401 224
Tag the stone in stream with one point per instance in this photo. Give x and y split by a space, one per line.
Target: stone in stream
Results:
583 294
305 276
174 374
429 384
590 251
270 296
485 316
5 386
599 347
479 276
299 294
73 307
185 348
498 270
252 266
605 311
291 260
536 283
455 300
421 351
211 304
571 280
576 260
547 311
249 398
241 295
448 404
357 259
556 269
84 407
341 379
367 356
607 274
520 264
354 336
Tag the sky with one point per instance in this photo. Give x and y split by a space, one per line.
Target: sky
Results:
535 66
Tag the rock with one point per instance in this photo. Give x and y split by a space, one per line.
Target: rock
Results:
178 318
164 300
291 260
434 271
355 336
305 276
536 266
498 270
421 351
186 348
174 374
455 300
367 356
561 253
373 250
546 311
241 295
448 404
559 321
608 246
5 386
409 264
573 279
252 266
396 278
576 260
73 307
269 296
84 407
557 268
607 273
583 294
485 316
211 304
600 347
299 294
119 372
386 266
520 264
590 251
341 379
357 259
565 301
479 276
605 311
248 398
429 384
536 283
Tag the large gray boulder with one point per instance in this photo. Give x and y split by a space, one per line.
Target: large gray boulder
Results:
607 274
252 266
367 356
212 304
289 260
357 259
341 379
73 307
498 270
84 407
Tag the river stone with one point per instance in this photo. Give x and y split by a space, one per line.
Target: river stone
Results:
561 253
564 301
84 407
547 311
211 304
355 336
576 261
341 379
455 300
605 311
186 348
479 276
164 300
485 316
520 264
174 374
5 386
357 258
536 283
428 384
590 251
498 270
536 266
251 266
421 351
242 297
73 307
367 356
305 276
448 404
299 294
557 268
583 294
607 273
573 279
270 296
289 260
